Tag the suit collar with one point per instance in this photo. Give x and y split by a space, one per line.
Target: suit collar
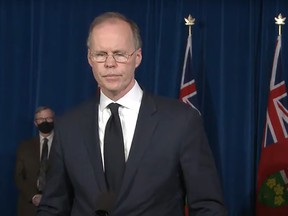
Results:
35 151
89 127
146 123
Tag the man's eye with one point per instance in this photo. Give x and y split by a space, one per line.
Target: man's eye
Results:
100 54
119 54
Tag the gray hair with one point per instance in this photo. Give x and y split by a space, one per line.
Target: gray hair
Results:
116 16
41 108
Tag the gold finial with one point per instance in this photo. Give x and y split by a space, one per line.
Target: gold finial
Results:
189 21
280 21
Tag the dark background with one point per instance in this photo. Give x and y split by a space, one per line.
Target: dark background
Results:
43 62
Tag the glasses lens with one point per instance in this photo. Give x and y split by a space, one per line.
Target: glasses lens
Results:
48 119
120 58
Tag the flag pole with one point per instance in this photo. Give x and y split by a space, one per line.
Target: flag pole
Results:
189 21
280 21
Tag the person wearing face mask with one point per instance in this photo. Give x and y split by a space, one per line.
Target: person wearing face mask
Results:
31 163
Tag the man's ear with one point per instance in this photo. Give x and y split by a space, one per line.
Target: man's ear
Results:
88 57
138 57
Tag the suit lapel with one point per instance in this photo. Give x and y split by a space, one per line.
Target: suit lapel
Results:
147 121
89 127
35 150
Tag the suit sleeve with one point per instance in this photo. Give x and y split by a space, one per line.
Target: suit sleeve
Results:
204 193
57 196
26 186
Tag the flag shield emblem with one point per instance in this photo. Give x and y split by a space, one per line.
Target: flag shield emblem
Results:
273 192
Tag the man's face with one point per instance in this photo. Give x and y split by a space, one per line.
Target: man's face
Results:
44 115
44 121
114 78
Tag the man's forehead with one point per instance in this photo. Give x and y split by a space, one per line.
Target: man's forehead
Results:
46 112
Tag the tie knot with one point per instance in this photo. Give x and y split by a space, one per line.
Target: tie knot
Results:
114 108
45 140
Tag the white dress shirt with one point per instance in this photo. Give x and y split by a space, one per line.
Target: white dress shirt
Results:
50 139
128 113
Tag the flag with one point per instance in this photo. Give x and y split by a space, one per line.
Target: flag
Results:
272 182
188 91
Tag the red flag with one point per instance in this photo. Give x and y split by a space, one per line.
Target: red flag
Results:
188 92
272 182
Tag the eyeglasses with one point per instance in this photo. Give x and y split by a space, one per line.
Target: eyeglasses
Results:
48 119
101 57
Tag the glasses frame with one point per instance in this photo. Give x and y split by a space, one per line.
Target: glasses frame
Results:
127 56
48 119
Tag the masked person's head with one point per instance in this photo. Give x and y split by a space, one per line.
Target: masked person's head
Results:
44 119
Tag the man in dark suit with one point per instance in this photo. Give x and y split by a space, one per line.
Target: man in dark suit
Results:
28 163
164 147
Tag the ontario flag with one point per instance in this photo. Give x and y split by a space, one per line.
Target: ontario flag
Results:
188 91
272 182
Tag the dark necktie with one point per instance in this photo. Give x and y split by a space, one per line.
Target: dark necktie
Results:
43 165
114 158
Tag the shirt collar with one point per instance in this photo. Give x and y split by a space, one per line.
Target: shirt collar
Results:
131 100
48 137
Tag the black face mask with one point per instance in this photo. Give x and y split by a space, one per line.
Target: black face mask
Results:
46 127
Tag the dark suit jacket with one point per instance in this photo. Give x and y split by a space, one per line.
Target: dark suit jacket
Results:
26 174
169 158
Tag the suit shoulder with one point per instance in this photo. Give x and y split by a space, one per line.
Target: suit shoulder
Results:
173 105
27 144
76 113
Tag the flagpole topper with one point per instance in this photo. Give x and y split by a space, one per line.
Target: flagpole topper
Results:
189 21
280 21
